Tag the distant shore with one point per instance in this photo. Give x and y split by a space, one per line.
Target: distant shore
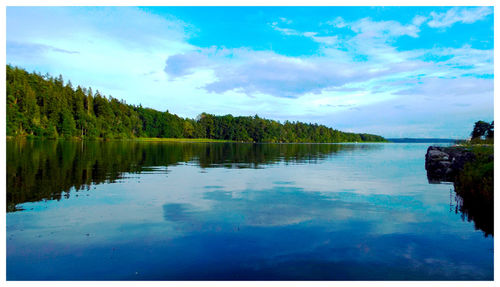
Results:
423 140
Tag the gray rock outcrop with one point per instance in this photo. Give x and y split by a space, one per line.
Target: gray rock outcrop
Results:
444 163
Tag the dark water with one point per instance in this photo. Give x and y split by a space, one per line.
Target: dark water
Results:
172 211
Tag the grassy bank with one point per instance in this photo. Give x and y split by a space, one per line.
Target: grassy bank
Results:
186 140
474 184
477 175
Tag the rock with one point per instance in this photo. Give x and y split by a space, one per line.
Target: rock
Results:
444 163
437 155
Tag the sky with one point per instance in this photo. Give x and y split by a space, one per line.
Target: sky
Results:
392 71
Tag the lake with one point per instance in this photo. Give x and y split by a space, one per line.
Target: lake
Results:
234 211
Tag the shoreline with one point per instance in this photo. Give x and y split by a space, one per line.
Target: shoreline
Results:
192 140
182 140
470 169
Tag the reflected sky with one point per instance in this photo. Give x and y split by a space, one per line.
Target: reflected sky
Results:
353 213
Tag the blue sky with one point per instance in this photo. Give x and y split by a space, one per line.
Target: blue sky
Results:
393 71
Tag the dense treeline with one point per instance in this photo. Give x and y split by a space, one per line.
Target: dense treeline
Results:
44 106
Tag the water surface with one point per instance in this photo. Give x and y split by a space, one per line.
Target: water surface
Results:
215 211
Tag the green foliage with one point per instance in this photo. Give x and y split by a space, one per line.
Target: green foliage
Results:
44 106
477 175
474 184
68 125
482 129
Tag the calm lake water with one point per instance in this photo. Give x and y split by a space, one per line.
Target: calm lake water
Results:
213 211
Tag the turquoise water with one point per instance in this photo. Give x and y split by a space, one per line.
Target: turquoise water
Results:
172 211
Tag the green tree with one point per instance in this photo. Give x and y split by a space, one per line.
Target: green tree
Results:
43 106
68 125
188 130
490 132
480 129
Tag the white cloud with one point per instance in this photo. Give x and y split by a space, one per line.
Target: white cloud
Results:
450 89
266 72
118 50
145 58
466 60
454 15
430 107
337 22
285 31
285 20
367 57
371 28
418 20
325 40
132 27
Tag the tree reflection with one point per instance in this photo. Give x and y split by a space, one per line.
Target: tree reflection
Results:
49 170
472 206
476 207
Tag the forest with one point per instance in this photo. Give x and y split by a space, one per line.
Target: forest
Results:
47 107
